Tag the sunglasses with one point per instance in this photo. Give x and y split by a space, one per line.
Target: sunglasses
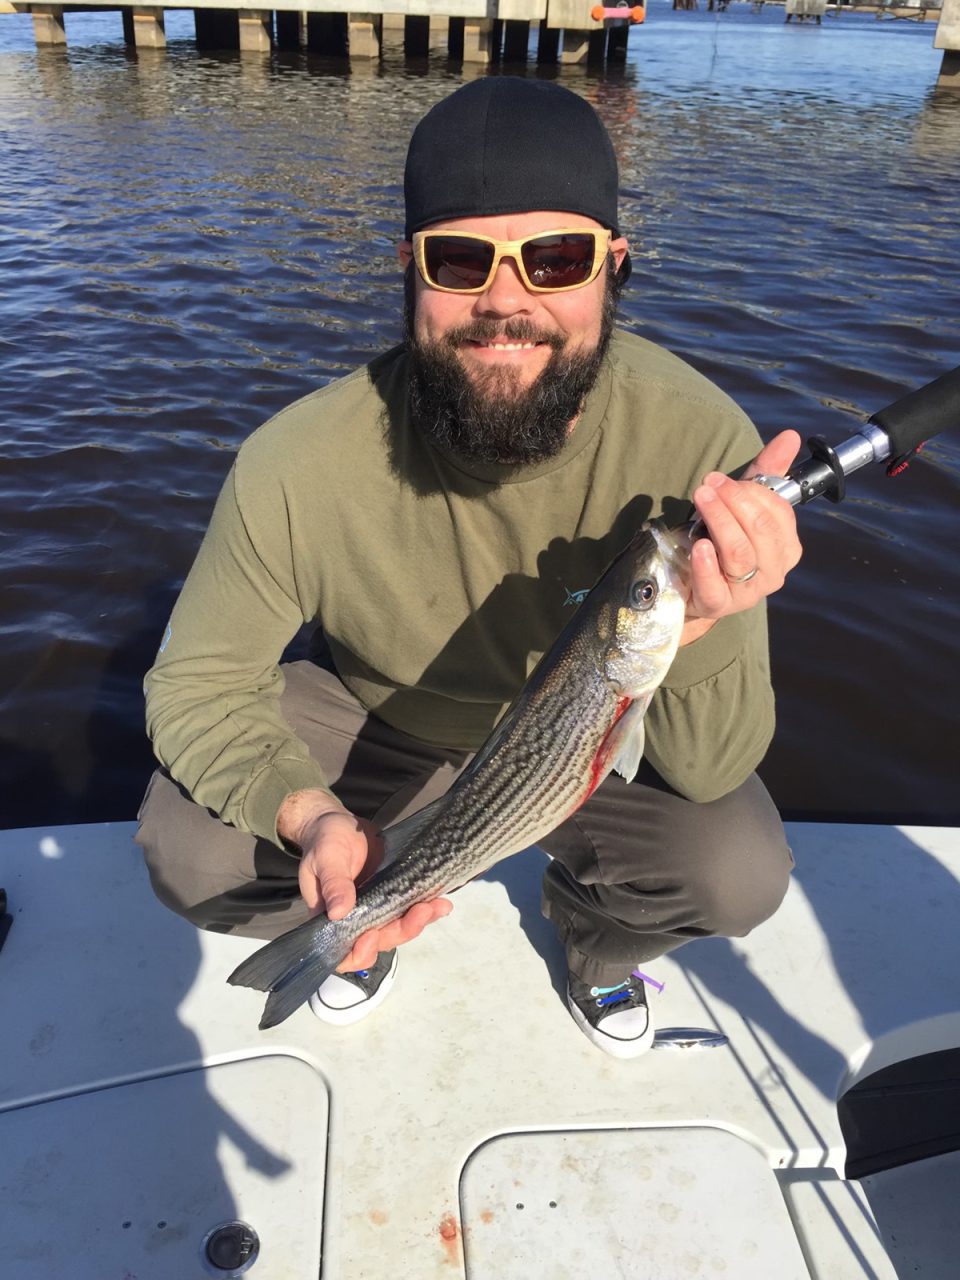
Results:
548 262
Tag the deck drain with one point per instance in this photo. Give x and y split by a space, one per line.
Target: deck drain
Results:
231 1249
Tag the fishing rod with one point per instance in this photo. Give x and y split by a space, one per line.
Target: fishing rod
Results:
897 433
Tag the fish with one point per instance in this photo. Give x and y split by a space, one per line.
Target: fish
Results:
578 717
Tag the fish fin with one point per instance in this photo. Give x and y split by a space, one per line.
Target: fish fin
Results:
629 738
292 966
401 835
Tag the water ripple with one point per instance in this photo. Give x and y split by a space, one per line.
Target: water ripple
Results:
192 241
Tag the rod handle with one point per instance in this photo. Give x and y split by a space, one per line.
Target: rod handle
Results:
920 414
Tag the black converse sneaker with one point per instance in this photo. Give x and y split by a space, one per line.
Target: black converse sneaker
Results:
347 997
616 1019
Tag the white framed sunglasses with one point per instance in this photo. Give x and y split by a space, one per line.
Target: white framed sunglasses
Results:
548 261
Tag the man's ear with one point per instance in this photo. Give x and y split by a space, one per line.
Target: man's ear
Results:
619 248
405 253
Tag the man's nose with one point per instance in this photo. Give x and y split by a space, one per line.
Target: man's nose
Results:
506 293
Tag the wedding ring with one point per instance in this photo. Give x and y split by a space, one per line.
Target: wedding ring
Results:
744 577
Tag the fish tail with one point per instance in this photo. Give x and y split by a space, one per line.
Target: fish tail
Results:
292 966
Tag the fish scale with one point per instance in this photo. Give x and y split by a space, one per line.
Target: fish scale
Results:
579 715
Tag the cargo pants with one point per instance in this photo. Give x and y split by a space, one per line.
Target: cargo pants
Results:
636 872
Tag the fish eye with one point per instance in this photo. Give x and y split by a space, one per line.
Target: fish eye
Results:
643 593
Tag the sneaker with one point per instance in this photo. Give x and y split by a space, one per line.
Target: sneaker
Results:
347 997
616 1019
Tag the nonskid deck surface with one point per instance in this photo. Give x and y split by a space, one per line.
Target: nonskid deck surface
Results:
467 1127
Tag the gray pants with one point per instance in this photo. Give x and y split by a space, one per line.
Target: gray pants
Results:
636 872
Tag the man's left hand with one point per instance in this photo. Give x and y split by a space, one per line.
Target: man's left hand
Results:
752 543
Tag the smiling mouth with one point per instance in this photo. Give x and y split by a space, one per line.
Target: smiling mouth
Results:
505 346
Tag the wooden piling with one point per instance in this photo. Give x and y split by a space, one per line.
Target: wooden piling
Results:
48 25
476 39
548 44
455 39
255 30
287 23
416 35
617 41
516 38
573 18
363 35
947 38
149 31
574 46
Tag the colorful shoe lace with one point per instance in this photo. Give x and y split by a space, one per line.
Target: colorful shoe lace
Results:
615 1019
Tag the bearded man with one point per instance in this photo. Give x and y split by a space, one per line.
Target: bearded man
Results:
436 515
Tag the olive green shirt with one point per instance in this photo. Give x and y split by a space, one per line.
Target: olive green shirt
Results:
439 583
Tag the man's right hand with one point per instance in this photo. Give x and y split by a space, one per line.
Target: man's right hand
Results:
340 850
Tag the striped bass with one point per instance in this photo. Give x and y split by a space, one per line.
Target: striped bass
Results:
578 717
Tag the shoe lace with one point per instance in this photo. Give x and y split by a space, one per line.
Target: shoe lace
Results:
612 995
625 990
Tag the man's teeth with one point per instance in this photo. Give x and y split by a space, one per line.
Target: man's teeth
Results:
509 346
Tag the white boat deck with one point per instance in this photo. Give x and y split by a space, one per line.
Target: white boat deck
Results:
467 1129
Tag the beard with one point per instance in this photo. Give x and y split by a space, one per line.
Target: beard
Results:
490 416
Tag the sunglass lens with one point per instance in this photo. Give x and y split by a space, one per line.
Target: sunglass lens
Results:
456 262
556 262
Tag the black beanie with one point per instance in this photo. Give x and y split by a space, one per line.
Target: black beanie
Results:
507 145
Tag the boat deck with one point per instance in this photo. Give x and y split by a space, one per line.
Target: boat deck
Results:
467 1128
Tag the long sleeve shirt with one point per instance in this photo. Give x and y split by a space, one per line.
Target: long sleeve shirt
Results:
440 582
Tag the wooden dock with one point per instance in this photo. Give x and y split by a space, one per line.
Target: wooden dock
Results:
474 31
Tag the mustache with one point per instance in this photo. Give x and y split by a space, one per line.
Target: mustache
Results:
518 329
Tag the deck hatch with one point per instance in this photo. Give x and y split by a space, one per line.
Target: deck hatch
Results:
634 1203
132 1179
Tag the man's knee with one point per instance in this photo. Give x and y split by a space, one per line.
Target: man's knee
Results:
210 873
740 885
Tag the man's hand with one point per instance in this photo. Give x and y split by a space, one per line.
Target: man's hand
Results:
752 543
340 850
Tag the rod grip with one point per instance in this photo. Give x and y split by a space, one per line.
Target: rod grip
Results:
922 413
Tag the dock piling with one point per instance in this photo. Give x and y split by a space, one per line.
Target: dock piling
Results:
288 23
149 31
548 44
363 35
48 25
574 47
476 39
516 39
255 30
949 77
947 38
416 35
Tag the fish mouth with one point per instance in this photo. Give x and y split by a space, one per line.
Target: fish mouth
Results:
674 548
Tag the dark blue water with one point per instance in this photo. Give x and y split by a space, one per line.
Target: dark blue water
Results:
188 242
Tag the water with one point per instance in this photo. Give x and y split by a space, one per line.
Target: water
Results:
189 242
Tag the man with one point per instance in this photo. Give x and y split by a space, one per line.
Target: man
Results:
437 514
